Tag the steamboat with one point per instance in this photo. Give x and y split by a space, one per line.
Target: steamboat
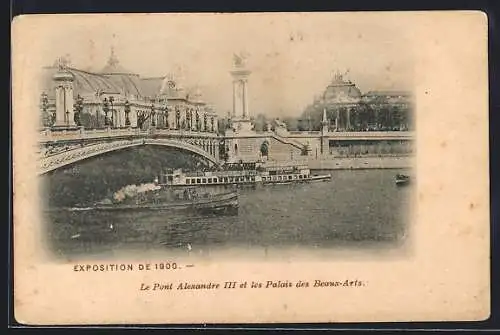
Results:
241 175
163 198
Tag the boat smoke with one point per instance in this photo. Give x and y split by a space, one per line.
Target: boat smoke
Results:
132 191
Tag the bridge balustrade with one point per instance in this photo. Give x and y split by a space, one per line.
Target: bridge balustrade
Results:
371 134
304 133
49 135
354 134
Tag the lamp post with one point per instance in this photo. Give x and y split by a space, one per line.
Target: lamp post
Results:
45 117
153 113
97 117
78 110
188 120
106 111
197 120
177 118
111 99
165 115
191 117
105 108
127 112
67 117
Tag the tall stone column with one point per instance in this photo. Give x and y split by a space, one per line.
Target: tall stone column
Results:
234 99
60 107
64 99
240 93
133 117
348 118
241 113
246 111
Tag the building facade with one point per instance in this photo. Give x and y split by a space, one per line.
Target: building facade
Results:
118 98
342 122
348 109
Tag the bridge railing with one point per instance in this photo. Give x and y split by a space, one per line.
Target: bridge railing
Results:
183 133
358 134
49 135
80 133
304 133
374 134
271 163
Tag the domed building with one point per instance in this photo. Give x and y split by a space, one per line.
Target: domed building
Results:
340 99
116 97
128 82
348 109
341 91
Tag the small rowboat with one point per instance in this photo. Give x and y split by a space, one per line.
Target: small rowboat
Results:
402 180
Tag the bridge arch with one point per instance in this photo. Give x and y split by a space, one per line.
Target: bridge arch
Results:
63 158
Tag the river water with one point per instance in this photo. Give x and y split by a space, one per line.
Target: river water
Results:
354 208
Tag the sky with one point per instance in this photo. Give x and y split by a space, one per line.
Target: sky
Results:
292 56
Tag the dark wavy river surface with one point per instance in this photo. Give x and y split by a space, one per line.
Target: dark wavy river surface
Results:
356 207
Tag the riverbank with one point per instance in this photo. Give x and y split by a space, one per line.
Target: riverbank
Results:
358 163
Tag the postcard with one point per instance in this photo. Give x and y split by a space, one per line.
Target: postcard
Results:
250 168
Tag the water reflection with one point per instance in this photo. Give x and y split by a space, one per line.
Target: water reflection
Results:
355 206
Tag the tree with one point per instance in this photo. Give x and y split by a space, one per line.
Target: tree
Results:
312 116
264 148
223 124
78 110
89 120
140 120
260 122
291 122
301 125
223 151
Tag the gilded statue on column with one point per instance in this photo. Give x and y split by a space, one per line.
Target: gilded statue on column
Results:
239 60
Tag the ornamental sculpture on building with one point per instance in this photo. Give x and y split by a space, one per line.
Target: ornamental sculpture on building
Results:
239 60
63 63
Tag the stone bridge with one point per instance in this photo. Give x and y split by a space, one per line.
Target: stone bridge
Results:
59 148
63 146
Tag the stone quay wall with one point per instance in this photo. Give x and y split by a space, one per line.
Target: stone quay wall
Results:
347 163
